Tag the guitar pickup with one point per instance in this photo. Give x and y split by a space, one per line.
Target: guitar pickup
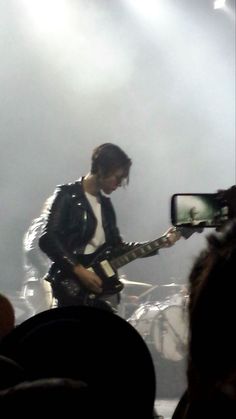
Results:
107 268
90 269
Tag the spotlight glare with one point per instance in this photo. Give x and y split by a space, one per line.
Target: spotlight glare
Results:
219 4
148 10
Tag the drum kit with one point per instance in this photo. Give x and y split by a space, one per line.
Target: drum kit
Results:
162 320
37 294
159 313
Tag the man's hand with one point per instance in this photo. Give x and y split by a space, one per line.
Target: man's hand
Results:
172 235
89 279
229 196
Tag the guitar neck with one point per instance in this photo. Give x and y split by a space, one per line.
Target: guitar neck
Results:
140 251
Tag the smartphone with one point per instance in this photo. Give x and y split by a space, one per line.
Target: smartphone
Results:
198 210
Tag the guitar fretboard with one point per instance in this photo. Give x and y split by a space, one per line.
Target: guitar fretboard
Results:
139 251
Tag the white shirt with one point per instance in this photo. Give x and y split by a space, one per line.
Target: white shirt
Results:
99 236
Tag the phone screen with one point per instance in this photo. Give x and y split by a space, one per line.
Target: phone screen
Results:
203 210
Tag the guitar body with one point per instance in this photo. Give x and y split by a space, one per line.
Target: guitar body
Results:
68 286
105 265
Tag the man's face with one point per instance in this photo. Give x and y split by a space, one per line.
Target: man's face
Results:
111 182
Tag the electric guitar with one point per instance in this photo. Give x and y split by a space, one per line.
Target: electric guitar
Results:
105 265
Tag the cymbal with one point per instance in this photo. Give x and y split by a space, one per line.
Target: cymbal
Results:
127 282
171 285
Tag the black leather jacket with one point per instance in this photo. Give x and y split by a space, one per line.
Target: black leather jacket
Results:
70 224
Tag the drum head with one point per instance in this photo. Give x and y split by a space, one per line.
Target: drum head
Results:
170 332
142 320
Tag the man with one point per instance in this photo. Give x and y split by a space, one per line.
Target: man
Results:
35 290
193 212
81 220
211 371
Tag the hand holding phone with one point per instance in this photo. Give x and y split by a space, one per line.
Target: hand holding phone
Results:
198 210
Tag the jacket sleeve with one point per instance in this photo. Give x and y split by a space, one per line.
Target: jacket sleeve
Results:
52 240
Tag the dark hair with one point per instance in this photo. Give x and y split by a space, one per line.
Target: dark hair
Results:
212 284
7 315
109 157
61 343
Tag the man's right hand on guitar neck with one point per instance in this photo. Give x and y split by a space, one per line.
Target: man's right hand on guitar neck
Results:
172 235
89 279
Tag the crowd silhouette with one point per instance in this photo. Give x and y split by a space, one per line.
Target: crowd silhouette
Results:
90 346
211 369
